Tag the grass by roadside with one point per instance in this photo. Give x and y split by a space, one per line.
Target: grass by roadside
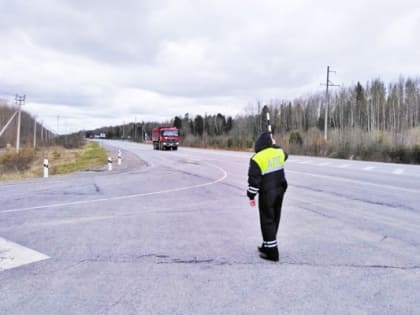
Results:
29 163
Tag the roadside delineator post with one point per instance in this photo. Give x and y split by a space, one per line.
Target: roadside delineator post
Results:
109 163
119 157
45 168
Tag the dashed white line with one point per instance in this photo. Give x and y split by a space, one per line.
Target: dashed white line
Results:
344 166
398 171
305 162
360 183
368 168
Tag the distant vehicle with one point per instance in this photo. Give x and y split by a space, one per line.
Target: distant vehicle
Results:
102 135
165 138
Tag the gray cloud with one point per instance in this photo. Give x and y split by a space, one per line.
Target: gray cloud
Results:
126 58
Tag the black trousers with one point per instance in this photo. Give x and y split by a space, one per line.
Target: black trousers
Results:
269 204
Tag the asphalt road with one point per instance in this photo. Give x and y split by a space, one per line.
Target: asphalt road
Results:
171 232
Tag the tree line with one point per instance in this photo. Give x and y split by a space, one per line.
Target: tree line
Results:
374 121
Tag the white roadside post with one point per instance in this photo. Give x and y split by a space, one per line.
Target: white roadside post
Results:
109 163
119 157
45 168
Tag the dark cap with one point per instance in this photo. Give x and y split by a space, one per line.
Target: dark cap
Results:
263 141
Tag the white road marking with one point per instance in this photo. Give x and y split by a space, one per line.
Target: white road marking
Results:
398 171
324 163
344 166
368 168
13 255
358 182
305 162
121 197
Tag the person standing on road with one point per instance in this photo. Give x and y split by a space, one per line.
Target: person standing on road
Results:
267 179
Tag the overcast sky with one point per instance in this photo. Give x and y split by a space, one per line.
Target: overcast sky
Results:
98 63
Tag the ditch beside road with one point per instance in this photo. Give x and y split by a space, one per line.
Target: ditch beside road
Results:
29 163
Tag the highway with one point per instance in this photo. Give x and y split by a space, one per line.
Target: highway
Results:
171 232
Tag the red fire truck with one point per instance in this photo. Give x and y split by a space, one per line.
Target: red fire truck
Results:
165 138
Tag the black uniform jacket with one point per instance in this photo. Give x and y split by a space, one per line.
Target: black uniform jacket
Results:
272 182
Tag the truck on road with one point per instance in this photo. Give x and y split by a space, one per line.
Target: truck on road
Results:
165 138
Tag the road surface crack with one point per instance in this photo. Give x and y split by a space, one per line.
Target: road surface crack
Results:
192 261
358 266
162 259
97 189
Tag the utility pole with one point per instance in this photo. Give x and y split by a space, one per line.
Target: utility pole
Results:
204 124
20 100
8 123
327 100
58 124
42 132
135 128
34 132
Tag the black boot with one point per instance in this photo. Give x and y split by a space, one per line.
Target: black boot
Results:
261 248
269 253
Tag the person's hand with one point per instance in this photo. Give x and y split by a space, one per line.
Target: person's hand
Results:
252 202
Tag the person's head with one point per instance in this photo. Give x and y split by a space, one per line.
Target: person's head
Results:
265 140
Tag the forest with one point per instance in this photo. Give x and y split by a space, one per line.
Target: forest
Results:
374 121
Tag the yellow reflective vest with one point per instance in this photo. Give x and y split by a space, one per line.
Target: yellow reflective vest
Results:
270 160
